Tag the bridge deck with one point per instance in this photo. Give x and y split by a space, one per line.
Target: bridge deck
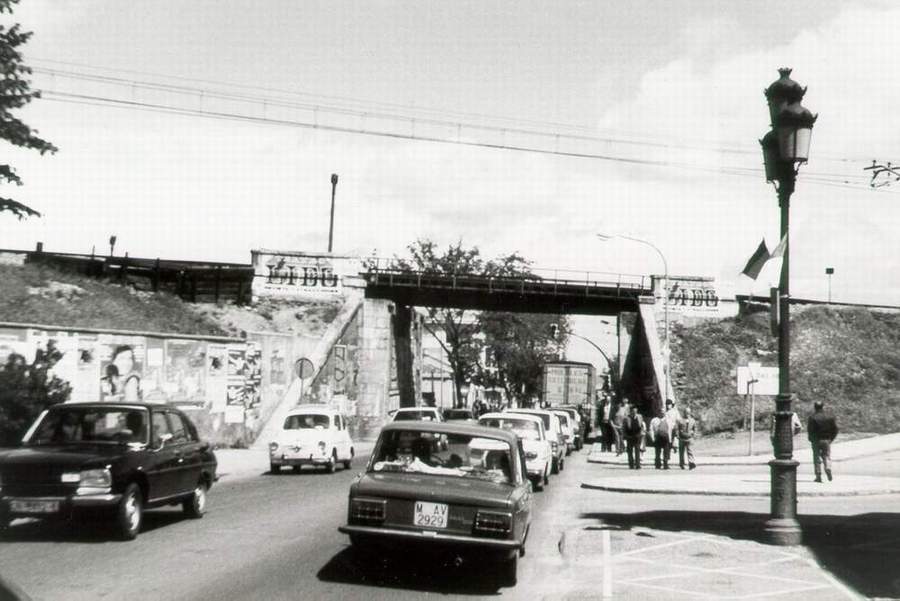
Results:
517 294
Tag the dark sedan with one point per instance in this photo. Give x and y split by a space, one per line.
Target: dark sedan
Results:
112 458
444 486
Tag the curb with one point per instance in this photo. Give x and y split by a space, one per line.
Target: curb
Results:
11 592
656 490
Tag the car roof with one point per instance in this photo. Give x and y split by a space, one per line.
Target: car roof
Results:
303 409
420 408
506 415
531 411
468 429
117 404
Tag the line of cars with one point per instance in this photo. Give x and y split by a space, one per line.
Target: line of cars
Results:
459 487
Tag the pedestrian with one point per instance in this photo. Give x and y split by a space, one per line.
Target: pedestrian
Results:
618 420
821 429
606 440
672 417
633 428
660 437
687 431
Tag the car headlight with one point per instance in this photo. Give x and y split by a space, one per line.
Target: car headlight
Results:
322 446
100 478
273 446
554 445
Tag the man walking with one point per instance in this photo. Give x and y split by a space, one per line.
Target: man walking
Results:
660 436
687 430
821 430
618 421
672 417
606 434
633 429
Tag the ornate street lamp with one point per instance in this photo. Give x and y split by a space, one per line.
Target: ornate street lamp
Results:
785 147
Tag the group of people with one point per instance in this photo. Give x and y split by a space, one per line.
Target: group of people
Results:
623 429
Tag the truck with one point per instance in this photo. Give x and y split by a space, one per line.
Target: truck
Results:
568 383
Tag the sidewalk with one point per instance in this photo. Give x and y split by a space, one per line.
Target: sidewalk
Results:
756 484
240 464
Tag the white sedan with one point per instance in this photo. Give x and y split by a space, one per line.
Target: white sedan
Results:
530 429
312 435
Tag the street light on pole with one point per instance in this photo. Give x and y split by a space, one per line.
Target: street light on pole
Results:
334 181
785 147
606 237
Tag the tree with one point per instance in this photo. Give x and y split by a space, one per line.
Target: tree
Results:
458 326
26 390
15 92
516 347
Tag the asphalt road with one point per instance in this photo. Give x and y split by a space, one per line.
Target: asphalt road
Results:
275 537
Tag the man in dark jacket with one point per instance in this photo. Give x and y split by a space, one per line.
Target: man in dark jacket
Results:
633 429
821 429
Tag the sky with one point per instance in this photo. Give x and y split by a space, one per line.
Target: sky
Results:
186 129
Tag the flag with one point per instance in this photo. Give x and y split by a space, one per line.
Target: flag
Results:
778 251
756 262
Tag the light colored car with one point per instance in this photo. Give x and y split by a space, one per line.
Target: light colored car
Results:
312 435
530 429
554 433
566 424
432 414
575 419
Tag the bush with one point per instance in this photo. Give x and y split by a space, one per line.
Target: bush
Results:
26 390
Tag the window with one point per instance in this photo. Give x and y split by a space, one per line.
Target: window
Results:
179 433
337 422
160 427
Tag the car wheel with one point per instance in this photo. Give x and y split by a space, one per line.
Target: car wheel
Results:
555 467
195 505
332 462
130 513
546 475
349 461
509 571
562 463
297 468
274 469
538 483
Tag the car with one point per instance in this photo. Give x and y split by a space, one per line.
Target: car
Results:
461 414
575 419
555 433
471 499
567 428
115 459
315 435
422 413
529 428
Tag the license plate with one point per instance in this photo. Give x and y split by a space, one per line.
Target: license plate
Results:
19 506
430 515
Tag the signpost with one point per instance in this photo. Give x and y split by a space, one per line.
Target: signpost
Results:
752 380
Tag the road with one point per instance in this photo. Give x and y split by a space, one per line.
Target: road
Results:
275 537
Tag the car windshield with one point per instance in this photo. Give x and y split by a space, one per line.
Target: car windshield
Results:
449 455
457 414
306 421
411 416
545 417
74 424
525 429
563 420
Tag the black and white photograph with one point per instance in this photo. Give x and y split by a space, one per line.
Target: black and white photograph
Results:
466 299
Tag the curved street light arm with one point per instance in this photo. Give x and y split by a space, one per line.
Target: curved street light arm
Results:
593 344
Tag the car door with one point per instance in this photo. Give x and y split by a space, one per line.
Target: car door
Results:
345 434
192 452
162 468
181 448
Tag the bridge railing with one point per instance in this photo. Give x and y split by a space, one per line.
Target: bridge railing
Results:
383 270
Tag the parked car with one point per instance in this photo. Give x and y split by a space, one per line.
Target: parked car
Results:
417 414
567 428
313 435
554 433
530 429
577 426
473 498
459 415
115 458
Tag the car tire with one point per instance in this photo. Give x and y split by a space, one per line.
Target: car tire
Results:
195 505
332 462
546 475
349 461
297 468
538 484
554 469
562 463
509 570
130 513
274 469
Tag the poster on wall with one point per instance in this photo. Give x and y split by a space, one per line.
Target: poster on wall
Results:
121 366
15 341
293 274
216 376
86 387
185 372
66 367
153 382
253 375
237 371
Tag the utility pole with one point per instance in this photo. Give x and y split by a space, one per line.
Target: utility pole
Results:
334 181
829 271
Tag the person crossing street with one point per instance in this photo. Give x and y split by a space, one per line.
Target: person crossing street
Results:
687 431
821 429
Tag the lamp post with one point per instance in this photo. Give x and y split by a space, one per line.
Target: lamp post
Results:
829 271
785 147
334 181
605 237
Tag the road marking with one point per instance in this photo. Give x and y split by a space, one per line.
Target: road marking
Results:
850 594
730 570
668 544
607 566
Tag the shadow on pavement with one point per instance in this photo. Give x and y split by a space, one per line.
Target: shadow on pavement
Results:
423 572
863 550
91 529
